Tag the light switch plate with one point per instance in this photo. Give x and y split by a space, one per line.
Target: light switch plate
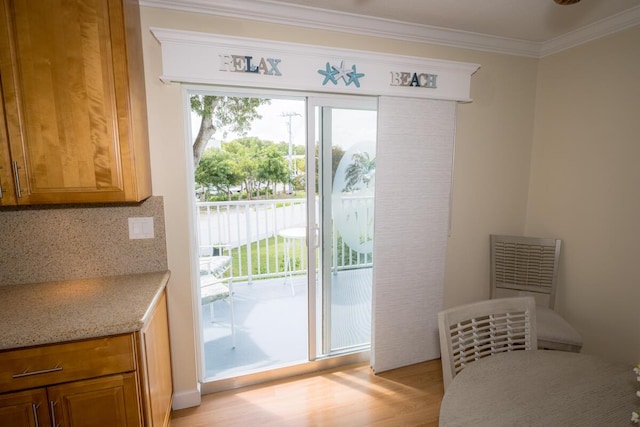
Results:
141 228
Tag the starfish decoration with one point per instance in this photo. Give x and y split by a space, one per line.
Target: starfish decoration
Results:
354 76
341 72
329 74
334 73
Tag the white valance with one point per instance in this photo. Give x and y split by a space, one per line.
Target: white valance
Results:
193 57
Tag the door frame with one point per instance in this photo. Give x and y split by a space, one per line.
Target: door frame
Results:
313 363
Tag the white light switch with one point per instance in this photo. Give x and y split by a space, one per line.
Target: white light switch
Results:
141 228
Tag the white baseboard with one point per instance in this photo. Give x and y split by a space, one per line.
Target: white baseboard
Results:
186 399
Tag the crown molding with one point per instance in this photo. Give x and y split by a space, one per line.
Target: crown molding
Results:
322 19
605 27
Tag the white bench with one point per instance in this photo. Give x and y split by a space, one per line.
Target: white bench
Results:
214 286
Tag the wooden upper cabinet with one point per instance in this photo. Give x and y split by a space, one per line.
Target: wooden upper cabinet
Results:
7 193
74 101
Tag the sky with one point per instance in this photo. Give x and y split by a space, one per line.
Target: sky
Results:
354 126
273 126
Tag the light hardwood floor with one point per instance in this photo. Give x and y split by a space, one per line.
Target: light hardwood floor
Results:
347 396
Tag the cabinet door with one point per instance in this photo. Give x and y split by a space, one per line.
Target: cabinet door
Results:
155 371
69 104
24 409
105 401
7 194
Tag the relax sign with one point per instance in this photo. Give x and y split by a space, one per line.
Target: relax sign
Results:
245 64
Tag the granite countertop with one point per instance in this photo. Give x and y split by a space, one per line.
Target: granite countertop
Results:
52 312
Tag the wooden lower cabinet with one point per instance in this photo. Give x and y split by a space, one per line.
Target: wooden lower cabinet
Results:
106 401
154 353
116 381
28 408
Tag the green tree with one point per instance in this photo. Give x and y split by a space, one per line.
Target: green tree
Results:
248 162
222 113
283 147
272 167
260 162
337 153
217 170
244 156
361 170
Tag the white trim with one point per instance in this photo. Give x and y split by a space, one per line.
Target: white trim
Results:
599 29
194 57
307 17
194 244
187 399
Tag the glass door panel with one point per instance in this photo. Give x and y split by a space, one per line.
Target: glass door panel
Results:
346 146
250 223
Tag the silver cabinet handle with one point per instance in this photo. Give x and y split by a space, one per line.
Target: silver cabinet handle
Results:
52 405
35 407
28 373
16 178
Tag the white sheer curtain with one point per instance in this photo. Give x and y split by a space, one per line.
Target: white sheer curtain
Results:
413 182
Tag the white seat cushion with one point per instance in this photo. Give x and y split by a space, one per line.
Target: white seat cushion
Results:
215 265
552 328
214 292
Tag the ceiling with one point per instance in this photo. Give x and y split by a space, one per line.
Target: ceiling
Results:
530 20
521 27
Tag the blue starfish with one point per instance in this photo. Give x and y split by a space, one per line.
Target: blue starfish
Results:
354 76
329 75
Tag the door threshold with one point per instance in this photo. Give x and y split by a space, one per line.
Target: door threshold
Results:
213 386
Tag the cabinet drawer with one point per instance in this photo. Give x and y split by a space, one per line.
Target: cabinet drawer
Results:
57 363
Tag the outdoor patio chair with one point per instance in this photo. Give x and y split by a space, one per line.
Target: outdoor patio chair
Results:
529 266
216 281
473 331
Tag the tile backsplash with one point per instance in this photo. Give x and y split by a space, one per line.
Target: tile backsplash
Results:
71 242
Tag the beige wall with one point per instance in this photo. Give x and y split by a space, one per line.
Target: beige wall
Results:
584 187
169 178
491 176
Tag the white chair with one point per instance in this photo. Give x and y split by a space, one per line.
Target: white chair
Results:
473 331
216 281
529 266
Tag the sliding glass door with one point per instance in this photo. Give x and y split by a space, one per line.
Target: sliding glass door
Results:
283 218
344 135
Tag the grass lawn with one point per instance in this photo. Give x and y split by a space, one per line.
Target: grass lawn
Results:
261 262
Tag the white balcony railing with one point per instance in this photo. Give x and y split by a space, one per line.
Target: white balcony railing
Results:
250 232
